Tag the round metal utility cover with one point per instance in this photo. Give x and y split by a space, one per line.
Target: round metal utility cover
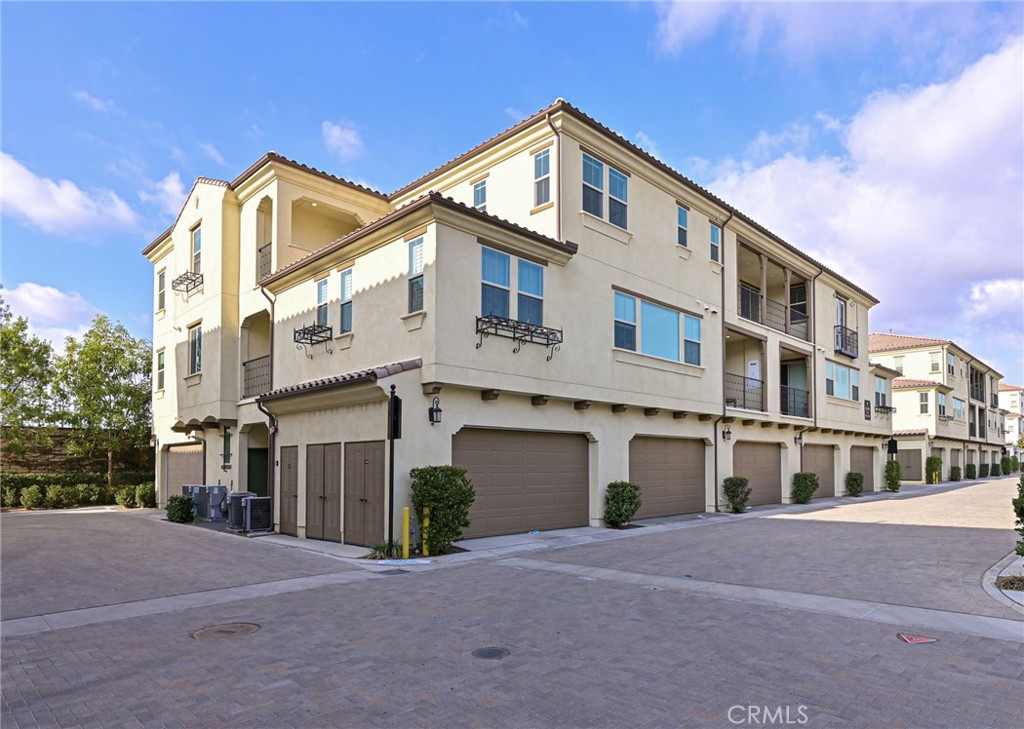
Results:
226 630
492 653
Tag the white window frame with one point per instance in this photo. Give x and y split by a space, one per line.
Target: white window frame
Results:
923 402
936 362
161 289
347 284
542 177
950 364
416 281
515 266
599 190
682 225
959 410
607 171
941 396
615 175
846 387
196 263
897 364
881 391
637 327
323 315
716 242
195 349
480 195
160 367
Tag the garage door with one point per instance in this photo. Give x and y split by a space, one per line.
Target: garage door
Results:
862 460
524 480
183 465
821 460
954 458
670 471
910 461
761 465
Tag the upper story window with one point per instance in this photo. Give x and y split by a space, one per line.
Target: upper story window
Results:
541 177
924 403
593 191
197 249
842 381
716 243
416 275
881 391
321 302
159 370
950 364
897 364
480 196
497 285
935 361
531 293
942 403
659 330
959 409
346 301
195 349
682 223
161 290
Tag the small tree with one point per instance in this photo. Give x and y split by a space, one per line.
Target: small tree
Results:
1006 465
448 494
25 379
933 468
737 493
1018 510
854 483
893 475
805 484
622 500
1015 463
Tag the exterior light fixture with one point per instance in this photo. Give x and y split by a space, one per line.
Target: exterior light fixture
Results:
727 433
799 438
434 412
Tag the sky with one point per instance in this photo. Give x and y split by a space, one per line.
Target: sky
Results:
884 140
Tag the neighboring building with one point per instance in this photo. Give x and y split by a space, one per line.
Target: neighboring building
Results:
1011 399
557 309
946 403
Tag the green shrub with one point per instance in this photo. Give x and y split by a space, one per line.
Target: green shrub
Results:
622 500
1005 465
145 495
33 497
61 497
88 493
1014 464
448 494
983 470
995 470
932 469
11 496
385 550
125 496
954 473
1018 510
854 483
971 472
893 475
737 493
179 509
805 484
121 478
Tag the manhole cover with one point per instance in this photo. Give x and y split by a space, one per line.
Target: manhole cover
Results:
226 630
492 654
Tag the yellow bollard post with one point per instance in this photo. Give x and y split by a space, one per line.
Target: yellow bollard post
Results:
405 532
425 530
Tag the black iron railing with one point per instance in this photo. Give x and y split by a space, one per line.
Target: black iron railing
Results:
775 313
978 392
519 332
187 282
263 264
256 376
795 402
311 336
885 409
744 392
846 341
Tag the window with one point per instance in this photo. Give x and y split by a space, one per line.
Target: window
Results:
716 243
541 177
682 217
950 364
531 293
346 301
496 282
496 287
593 191
195 349
660 335
480 196
924 402
416 275
161 290
935 361
881 392
160 370
959 409
897 364
197 250
321 302
842 381
942 403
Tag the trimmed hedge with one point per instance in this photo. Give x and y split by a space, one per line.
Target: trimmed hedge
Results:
1018 510
954 473
179 509
983 470
1015 464
995 470
145 495
16 482
622 500
448 494
33 497
932 468
805 483
893 475
737 493
971 471
854 483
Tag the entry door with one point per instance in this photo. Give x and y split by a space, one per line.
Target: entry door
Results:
290 490
364 493
323 491
256 469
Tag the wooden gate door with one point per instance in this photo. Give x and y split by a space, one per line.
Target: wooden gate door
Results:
289 523
364 493
315 492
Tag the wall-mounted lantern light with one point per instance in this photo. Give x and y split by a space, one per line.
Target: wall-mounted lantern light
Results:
434 412
799 438
727 433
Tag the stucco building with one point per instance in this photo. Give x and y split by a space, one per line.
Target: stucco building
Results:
1011 399
556 308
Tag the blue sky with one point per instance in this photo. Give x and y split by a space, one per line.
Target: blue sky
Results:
886 140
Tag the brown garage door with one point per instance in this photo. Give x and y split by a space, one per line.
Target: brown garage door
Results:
183 465
524 480
954 458
910 462
761 465
821 460
862 461
670 471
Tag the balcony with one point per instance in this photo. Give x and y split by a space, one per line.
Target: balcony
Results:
978 393
993 400
846 341
775 313
256 376
795 402
885 409
187 282
263 264
744 392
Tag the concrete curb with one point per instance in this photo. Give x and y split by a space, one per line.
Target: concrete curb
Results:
1011 564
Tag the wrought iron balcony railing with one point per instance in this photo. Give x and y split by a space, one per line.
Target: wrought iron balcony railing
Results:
187 282
519 332
775 313
846 341
885 409
256 376
795 402
263 263
744 392
311 336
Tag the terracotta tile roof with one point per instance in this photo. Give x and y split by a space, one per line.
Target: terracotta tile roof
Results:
345 379
878 342
212 181
273 156
429 198
920 431
1004 387
907 382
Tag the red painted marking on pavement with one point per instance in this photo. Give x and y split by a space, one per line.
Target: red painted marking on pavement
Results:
915 639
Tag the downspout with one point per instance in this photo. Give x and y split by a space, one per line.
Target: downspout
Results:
721 253
814 359
203 441
558 168
272 429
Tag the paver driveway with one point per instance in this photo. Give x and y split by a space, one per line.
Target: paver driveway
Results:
625 648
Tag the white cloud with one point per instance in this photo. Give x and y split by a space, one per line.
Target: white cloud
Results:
514 113
101 105
922 204
60 207
646 142
168 194
52 314
343 139
213 153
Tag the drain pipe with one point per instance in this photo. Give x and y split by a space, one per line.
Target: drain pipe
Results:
721 253
202 440
271 442
558 168
813 325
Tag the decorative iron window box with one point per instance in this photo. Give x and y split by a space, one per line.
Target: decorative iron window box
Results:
312 335
187 282
885 409
518 332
